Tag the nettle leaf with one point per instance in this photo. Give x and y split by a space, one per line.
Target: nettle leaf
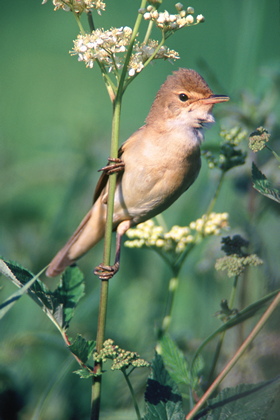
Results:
82 348
7 305
162 397
58 305
244 402
175 361
67 295
261 184
20 276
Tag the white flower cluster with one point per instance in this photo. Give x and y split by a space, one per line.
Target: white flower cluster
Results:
78 6
103 46
108 47
149 235
142 52
172 22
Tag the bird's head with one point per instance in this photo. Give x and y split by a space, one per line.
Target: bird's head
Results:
184 99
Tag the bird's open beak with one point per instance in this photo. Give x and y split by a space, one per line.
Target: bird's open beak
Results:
214 99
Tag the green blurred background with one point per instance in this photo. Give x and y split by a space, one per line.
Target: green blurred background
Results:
55 134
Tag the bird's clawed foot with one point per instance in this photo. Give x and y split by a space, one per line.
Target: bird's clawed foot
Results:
106 272
118 166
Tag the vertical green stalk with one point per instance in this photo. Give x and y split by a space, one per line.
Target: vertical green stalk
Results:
96 385
217 192
222 335
138 414
172 287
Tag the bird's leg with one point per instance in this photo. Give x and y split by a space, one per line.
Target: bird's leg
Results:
111 169
106 272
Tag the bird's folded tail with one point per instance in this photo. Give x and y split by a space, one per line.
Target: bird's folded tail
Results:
62 259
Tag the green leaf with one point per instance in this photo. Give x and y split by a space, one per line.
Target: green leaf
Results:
244 402
20 276
82 348
84 373
67 295
7 305
261 184
241 316
162 397
174 361
58 305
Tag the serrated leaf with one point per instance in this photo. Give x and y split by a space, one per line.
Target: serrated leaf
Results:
82 348
175 361
67 295
244 402
162 397
7 305
58 305
261 184
84 373
38 291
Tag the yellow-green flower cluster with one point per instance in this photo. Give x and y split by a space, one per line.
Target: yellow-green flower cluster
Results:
149 235
171 22
258 139
229 156
122 359
235 264
211 224
236 260
78 6
235 135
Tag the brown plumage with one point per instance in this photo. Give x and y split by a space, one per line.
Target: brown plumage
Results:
161 161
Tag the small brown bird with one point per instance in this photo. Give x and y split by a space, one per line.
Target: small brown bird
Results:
156 165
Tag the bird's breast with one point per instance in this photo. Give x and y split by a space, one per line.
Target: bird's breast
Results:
156 174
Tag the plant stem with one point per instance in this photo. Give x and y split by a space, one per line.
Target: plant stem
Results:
212 203
236 357
148 33
173 284
222 336
217 192
90 20
172 287
96 385
117 101
233 293
79 23
138 414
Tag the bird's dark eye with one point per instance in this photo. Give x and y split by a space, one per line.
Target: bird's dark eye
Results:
183 97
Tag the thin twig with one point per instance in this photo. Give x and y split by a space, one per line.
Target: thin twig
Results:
235 358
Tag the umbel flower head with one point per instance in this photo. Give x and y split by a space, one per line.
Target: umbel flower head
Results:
103 46
236 260
149 235
258 139
78 6
142 52
170 23
229 155
122 359
109 48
